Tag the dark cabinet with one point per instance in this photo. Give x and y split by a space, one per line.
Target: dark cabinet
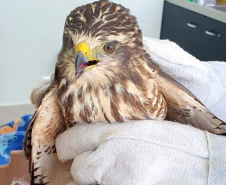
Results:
203 37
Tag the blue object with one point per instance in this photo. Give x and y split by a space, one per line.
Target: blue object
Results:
11 137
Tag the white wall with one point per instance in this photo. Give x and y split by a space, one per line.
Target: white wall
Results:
31 34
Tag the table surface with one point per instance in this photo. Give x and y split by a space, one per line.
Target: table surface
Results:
218 12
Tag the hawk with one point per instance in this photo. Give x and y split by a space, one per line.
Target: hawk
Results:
103 74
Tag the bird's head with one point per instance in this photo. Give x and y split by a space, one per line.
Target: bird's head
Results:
100 40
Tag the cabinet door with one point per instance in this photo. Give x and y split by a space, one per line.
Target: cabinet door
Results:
214 41
203 37
183 27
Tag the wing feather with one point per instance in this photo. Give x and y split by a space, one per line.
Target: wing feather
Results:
184 107
39 143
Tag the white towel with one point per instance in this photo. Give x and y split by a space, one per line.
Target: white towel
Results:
201 78
220 69
154 152
143 153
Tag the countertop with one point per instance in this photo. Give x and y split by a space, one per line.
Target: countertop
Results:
12 112
217 13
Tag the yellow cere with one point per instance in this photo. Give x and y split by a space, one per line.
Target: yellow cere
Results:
84 48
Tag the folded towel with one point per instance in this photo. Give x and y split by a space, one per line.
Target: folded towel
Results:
201 78
220 69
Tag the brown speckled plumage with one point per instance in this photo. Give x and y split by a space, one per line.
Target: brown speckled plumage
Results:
123 86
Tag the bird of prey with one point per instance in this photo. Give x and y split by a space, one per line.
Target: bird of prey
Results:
103 74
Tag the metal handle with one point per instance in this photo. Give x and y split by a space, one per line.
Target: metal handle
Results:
210 33
191 25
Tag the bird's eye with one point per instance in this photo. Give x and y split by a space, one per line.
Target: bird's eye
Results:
109 47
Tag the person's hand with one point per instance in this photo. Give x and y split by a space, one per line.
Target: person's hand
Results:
135 153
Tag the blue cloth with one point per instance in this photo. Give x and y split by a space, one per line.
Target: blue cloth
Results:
11 137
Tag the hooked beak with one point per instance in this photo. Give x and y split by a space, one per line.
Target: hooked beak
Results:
82 64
